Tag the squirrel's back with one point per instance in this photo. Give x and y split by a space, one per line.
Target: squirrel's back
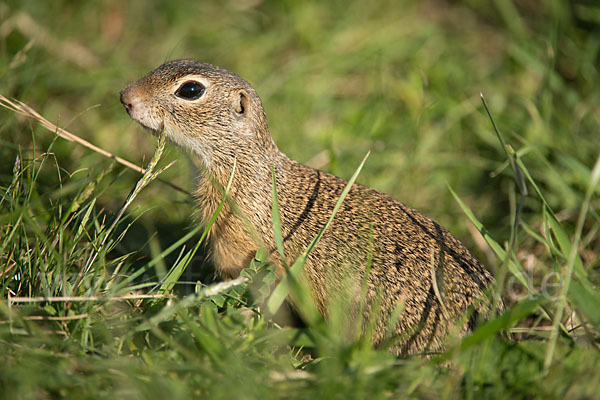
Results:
412 262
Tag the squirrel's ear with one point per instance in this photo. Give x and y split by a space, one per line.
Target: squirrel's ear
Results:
241 103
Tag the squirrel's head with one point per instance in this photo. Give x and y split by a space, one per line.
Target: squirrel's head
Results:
201 107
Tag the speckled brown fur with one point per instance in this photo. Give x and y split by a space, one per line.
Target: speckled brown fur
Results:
227 122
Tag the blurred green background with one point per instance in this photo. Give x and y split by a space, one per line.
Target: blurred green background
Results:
400 78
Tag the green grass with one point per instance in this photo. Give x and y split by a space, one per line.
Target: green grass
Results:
402 79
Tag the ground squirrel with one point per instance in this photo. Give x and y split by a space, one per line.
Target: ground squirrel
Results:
415 263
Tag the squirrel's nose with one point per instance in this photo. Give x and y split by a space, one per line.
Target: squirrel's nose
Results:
125 101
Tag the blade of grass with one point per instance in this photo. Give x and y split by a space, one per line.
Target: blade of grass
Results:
564 243
149 175
175 273
166 252
277 235
512 156
513 267
283 288
571 262
507 149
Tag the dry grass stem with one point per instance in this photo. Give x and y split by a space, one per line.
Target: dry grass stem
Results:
149 176
70 299
23 109
223 286
50 318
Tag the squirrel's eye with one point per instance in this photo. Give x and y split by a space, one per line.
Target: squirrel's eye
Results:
191 90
